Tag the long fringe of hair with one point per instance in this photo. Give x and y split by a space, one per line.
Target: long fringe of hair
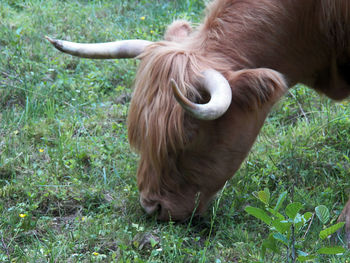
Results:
155 117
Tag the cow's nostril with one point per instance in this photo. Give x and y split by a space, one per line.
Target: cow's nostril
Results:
159 208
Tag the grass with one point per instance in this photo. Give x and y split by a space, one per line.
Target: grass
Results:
67 175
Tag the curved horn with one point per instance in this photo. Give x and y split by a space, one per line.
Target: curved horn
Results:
117 49
218 88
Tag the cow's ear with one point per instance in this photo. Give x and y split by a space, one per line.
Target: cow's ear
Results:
253 88
178 30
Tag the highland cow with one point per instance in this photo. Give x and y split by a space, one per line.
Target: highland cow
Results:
202 95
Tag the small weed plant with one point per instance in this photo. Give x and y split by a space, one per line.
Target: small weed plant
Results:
289 227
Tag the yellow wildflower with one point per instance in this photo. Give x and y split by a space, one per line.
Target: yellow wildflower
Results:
142 18
41 150
152 32
96 254
22 215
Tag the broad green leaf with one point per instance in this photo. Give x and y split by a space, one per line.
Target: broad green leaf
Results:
281 238
330 230
302 253
299 221
306 258
275 213
307 216
281 226
331 250
322 213
264 196
153 242
259 213
293 209
280 201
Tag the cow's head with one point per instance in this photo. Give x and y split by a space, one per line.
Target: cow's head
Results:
192 119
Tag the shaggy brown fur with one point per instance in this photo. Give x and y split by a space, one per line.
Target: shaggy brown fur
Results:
301 41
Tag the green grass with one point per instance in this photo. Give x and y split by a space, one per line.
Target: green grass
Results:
67 175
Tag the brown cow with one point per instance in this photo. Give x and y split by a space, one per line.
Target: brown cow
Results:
201 96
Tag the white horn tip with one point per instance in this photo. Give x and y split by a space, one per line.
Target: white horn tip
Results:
51 40
56 43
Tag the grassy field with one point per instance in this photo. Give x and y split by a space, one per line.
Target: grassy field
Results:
67 175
